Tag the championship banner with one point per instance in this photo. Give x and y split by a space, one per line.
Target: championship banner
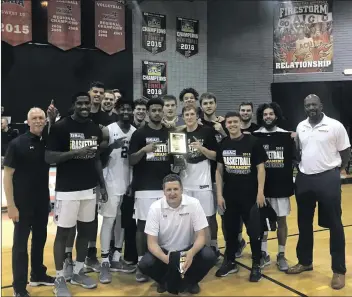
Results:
187 37
110 26
303 38
154 79
154 32
64 23
16 21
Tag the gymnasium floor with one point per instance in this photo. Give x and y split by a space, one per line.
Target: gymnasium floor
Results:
274 282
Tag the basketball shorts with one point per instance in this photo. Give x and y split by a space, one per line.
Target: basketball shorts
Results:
143 201
112 207
206 199
282 206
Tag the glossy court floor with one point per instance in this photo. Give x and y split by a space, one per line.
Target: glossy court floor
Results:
274 282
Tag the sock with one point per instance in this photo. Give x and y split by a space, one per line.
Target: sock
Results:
92 244
116 257
140 258
77 268
68 250
265 247
59 273
281 249
105 256
214 243
240 237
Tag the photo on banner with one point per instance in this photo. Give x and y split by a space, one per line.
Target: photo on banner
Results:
187 36
303 37
110 26
64 24
154 32
16 21
154 79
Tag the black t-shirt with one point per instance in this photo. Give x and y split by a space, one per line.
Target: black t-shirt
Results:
253 127
280 149
149 172
80 173
102 118
26 154
240 158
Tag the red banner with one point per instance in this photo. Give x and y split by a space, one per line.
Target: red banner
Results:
16 21
110 26
64 23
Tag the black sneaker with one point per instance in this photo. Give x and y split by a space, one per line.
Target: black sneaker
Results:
226 268
193 289
21 294
241 247
45 280
256 273
161 288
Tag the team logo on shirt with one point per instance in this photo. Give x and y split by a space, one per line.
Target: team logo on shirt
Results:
192 151
237 164
78 141
275 157
161 153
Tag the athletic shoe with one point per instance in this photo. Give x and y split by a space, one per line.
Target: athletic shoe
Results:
161 288
68 269
193 289
241 247
265 260
105 276
21 294
60 289
226 268
256 274
122 266
45 280
92 264
140 277
299 268
83 280
281 262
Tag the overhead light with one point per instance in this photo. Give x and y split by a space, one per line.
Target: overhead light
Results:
44 3
347 72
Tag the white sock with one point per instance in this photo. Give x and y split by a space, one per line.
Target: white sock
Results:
265 247
77 268
140 258
92 244
68 250
105 234
59 273
106 259
116 257
281 249
214 243
240 236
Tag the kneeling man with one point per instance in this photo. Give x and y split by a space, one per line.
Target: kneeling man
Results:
177 223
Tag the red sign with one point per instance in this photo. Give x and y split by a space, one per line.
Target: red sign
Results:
110 26
64 23
16 21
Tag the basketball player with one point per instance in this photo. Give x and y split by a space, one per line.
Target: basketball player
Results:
246 113
196 178
96 93
73 145
139 113
170 119
278 188
107 106
189 96
240 178
151 163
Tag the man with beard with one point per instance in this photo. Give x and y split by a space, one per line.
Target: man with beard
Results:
151 163
170 119
139 113
107 106
117 178
278 188
246 113
240 177
324 153
73 146
196 177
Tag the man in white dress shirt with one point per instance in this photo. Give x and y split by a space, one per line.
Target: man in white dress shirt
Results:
325 150
177 222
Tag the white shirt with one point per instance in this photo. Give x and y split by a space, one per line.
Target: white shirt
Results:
175 227
320 145
264 130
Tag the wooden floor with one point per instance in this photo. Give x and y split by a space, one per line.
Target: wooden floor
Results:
274 283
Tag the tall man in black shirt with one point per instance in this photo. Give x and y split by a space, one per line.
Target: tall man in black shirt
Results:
73 146
278 188
26 178
240 178
151 163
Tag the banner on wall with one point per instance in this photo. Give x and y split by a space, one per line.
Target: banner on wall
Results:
64 23
154 32
154 79
110 26
303 37
16 21
187 36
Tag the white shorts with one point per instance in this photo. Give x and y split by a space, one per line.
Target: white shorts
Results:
112 207
282 206
68 212
206 199
143 201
